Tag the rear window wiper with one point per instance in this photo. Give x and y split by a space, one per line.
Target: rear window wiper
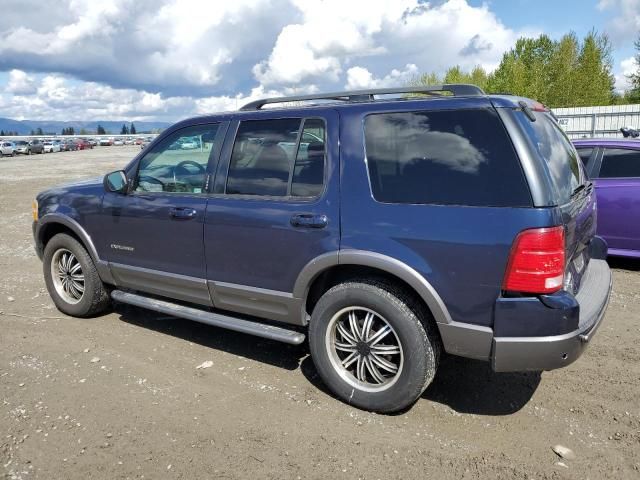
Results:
580 188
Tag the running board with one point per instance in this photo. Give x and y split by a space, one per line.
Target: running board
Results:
217 320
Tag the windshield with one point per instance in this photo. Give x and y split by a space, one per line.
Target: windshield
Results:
555 148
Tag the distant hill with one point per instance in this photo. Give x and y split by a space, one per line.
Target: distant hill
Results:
24 127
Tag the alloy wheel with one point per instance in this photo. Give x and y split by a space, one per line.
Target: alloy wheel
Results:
67 275
364 349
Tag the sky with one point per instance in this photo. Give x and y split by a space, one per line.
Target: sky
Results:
165 60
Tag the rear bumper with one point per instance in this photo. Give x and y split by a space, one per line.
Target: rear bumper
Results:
549 352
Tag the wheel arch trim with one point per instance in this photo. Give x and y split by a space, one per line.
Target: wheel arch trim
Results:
374 260
458 338
71 224
57 218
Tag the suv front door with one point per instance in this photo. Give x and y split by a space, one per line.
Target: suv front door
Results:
618 193
275 208
153 235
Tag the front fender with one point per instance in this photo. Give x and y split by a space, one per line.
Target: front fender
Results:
54 219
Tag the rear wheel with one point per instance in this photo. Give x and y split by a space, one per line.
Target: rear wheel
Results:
372 345
72 279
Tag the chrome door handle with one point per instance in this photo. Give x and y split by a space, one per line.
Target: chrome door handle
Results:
182 213
309 220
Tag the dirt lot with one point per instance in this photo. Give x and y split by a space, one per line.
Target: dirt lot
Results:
120 396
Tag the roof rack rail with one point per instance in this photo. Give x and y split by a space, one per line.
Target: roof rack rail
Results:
353 96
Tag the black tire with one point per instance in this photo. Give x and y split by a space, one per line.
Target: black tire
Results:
95 298
414 330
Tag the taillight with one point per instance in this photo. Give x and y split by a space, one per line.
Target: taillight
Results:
536 262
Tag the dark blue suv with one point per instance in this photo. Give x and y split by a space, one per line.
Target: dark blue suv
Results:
386 225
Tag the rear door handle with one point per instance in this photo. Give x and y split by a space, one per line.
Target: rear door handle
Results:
182 213
309 220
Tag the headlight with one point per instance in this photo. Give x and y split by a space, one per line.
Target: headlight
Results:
34 210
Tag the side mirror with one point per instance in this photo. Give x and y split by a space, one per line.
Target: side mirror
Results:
115 182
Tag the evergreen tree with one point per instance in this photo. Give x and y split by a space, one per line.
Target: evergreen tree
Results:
100 130
124 130
560 73
594 81
132 129
2 133
478 76
39 131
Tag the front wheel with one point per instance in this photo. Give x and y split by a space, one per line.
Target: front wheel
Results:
72 279
373 346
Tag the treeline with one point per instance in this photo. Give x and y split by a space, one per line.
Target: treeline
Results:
100 130
559 73
128 130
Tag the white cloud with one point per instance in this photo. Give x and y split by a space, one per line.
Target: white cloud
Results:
167 59
20 83
625 24
335 34
54 97
627 67
360 78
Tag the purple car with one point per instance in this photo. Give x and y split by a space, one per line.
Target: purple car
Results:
614 166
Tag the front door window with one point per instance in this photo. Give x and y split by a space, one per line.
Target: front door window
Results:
178 164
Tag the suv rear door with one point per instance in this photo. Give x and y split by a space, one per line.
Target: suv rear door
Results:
617 179
273 210
573 192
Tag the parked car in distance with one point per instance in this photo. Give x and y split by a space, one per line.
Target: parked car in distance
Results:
118 142
105 142
7 148
36 146
394 229
22 147
93 142
68 146
83 144
51 146
614 166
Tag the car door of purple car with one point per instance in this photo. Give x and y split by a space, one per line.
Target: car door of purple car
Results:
618 193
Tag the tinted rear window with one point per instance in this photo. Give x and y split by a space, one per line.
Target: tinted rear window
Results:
620 163
555 148
585 154
453 157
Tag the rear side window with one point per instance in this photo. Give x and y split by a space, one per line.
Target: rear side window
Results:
620 163
585 154
461 157
278 158
559 153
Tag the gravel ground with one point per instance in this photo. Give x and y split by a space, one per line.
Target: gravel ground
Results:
120 396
